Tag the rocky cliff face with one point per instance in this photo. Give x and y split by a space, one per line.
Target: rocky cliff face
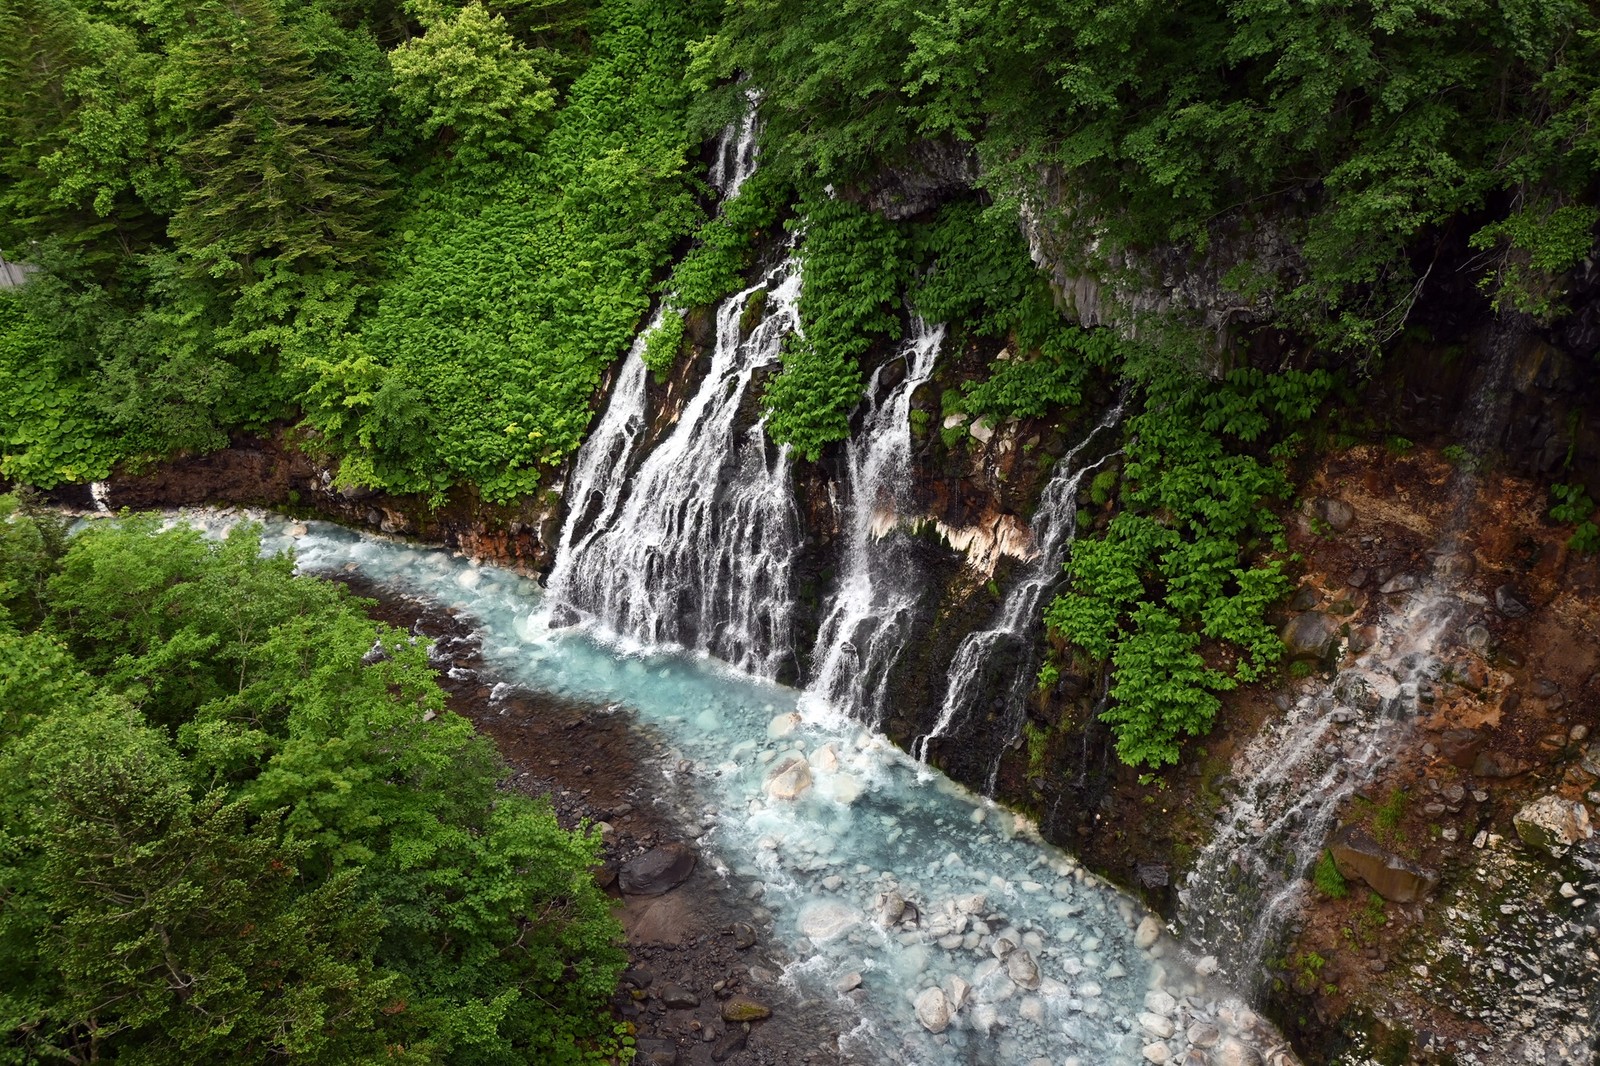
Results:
1130 290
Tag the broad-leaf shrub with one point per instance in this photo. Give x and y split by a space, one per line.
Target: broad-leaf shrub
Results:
1168 577
284 845
853 268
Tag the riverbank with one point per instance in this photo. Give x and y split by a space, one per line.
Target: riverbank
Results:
700 961
1352 971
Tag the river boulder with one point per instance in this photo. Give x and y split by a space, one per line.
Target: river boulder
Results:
1149 931
1022 970
933 1010
657 870
1235 1052
823 919
745 1009
1553 822
1310 635
782 725
890 906
1360 857
789 778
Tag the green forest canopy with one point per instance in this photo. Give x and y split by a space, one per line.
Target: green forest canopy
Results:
420 231
232 833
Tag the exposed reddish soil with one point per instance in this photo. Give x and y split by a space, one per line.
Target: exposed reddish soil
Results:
1530 695
273 471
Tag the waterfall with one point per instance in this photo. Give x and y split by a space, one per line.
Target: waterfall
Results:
693 544
969 680
735 158
695 547
606 458
1294 777
1296 774
868 620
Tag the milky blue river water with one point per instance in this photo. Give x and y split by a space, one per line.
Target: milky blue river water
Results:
1032 958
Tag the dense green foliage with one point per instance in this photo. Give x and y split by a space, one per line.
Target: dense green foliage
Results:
1169 595
515 283
725 244
1362 133
233 834
426 232
854 268
1329 881
663 343
420 232
979 276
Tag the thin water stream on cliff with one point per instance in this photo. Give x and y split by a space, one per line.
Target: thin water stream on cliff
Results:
969 681
951 910
868 619
1295 775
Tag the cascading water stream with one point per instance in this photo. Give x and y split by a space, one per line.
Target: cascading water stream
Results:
901 898
608 457
868 619
735 158
694 548
1295 775
1294 778
693 545
968 682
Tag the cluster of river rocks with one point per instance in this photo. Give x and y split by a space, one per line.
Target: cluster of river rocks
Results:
1002 966
1182 1019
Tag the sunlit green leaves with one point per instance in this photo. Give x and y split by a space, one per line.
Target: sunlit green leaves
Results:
853 265
214 794
1169 572
469 79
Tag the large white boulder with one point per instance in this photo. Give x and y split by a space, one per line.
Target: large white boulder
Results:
933 1010
789 778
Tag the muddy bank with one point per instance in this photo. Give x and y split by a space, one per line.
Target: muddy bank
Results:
699 951
272 471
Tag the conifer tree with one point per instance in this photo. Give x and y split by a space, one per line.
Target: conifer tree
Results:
279 173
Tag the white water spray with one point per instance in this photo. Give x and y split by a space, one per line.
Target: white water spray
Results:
1296 774
697 546
1054 525
868 619
736 149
